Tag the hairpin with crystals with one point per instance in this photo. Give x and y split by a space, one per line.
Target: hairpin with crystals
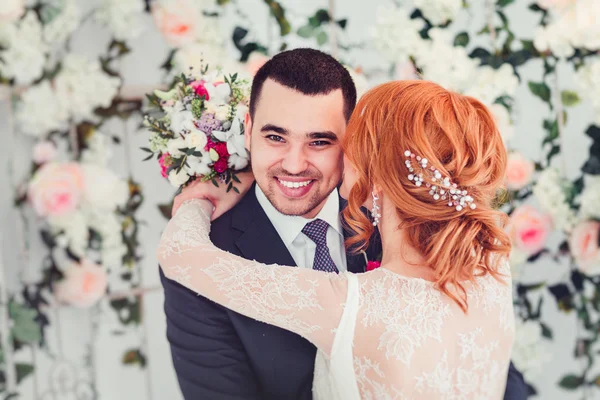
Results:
445 190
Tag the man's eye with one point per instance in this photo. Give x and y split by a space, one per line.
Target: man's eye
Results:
275 138
320 143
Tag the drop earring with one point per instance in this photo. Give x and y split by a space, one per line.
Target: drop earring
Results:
375 211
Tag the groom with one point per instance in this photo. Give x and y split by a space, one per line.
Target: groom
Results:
300 103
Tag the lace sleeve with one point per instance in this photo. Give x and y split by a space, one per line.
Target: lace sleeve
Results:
307 302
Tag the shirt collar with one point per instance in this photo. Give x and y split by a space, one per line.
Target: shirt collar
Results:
289 226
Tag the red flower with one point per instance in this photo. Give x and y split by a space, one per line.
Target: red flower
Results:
200 89
221 149
165 162
371 265
220 165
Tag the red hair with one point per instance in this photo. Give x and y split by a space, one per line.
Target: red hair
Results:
458 136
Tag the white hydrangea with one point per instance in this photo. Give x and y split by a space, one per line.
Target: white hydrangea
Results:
588 78
124 18
108 225
103 189
445 64
98 150
395 35
72 230
25 54
439 12
488 84
503 121
82 86
549 191
530 353
11 10
38 112
574 25
60 28
590 198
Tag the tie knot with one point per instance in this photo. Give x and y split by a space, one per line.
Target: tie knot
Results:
317 231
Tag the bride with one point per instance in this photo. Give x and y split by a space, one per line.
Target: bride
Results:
435 321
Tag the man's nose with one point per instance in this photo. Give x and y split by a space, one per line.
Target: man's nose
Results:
295 161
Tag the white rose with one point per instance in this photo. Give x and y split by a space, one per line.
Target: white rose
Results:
210 107
174 145
219 94
530 353
222 112
75 230
178 178
103 189
196 139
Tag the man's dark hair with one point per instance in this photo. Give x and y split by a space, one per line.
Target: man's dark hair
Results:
308 71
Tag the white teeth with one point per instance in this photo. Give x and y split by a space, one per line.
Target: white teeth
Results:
294 185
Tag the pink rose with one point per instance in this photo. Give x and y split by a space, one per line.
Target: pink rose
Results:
371 265
83 285
519 171
177 20
165 162
584 245
44 152
11 10
56 188
200 89
255 62
529 229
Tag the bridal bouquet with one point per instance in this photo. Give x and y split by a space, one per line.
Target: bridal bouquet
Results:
197 128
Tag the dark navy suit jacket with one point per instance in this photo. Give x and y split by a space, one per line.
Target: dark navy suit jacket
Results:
219 354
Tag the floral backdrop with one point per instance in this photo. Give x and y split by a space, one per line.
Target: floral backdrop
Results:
85 212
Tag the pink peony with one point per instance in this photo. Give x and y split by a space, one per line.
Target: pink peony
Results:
165 162
529 229
177 20
584 245
200 89
221 165
371 265
83 285
519 171
255 62
56 189
44 152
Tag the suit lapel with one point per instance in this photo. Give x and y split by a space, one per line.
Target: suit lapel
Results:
259 239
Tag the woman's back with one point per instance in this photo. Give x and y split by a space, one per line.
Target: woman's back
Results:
411 341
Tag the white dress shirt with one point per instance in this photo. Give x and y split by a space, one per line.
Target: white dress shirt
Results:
301 248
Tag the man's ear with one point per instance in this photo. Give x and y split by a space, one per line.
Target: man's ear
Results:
247 131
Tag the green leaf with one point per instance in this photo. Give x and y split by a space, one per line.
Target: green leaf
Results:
149 157
546 331
25 328
504 3
147 150
134 356
306 31
342 23
235 178
23 370
462 39
322 38
214 182
236 190
571 382
229 187
569 98
540 89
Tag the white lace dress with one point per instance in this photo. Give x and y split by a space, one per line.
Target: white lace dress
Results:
379 335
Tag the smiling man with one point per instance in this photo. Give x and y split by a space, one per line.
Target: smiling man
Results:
300 104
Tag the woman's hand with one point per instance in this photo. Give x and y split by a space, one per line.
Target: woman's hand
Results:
218 196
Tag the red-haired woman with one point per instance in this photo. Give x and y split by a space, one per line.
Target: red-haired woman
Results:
436 320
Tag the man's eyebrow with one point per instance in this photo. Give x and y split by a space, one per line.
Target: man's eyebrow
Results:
323 135
274 128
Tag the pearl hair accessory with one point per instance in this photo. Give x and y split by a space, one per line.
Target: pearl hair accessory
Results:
445 190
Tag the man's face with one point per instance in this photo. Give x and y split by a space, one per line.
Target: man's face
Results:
295 147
